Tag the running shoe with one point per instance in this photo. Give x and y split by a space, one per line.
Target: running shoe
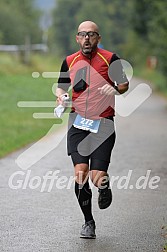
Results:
88 230
105 198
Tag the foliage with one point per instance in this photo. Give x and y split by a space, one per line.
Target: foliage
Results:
18 19
150 25
135 29
64 22
105 14
158 33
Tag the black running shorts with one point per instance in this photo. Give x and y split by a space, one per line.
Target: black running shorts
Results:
96 148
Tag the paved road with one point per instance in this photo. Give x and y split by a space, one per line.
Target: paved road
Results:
32 220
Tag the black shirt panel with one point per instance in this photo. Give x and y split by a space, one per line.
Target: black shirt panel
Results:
64 80
116 71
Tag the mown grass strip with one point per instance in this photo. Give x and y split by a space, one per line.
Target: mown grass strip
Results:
17 125
156 78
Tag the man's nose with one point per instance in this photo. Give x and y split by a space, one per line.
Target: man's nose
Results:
87 36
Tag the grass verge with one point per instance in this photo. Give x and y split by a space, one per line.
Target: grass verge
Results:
155 77
18 127
165 248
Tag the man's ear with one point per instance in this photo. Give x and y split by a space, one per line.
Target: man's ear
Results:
77 38
99 39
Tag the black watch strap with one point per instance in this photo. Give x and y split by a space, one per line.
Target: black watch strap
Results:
116 88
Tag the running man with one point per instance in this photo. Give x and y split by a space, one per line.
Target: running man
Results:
96 76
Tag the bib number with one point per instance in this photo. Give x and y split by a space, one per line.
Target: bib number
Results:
86 124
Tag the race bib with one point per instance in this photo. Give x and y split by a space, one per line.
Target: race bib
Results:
86 124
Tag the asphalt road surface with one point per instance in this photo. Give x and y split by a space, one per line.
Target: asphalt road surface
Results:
43 215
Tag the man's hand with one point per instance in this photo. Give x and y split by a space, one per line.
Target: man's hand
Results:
107 90
60 93
61 100
110 90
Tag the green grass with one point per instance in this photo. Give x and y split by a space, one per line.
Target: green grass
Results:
17 125
158 80
165 247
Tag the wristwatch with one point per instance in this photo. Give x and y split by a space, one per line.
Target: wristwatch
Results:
116 88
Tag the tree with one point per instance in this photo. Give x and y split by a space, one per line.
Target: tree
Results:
110 16
18 19
64 23
158 33
134 29
150 24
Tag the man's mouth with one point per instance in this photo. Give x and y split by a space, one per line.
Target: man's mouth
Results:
87 45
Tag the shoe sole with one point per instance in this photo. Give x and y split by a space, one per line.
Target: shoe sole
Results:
87 237
106 206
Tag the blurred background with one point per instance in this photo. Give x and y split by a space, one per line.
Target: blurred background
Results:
35 36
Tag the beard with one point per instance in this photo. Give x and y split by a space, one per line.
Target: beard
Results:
88 48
